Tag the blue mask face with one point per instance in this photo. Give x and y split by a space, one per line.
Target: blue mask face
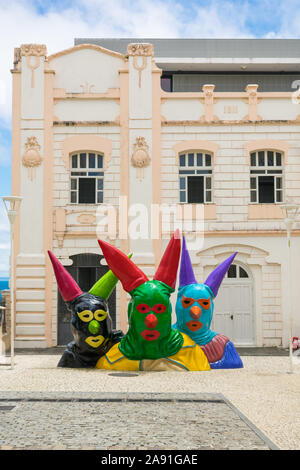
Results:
194 311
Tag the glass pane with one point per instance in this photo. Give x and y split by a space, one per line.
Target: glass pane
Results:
261 158
243 272
208 196
182 196
73 196
74 161
166 83
100 197
207 159
278 183
270 158
181 160
208 183
73 183
278 159
92 160
182 183
232 271
83 160
199 159
253 159
191 159
253 196
253 183
100 184
278 196
100 161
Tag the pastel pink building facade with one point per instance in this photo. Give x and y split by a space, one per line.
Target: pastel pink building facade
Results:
92 128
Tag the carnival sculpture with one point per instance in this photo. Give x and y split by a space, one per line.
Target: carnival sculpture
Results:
150 343
194 312
91 323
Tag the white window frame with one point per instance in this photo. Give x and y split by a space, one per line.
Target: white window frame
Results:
197 169
87 171
266 169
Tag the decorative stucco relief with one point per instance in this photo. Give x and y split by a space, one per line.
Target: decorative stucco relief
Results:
36 50
140 52
31 157
209 101
86 88
86 219
140 157
253 101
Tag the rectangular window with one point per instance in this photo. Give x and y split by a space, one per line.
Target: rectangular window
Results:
194 188
86 187
266 183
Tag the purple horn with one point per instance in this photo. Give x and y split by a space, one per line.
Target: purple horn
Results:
186 275
215 278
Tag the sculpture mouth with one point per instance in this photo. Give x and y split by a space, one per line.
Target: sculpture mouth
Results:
94 341
150 335
194 325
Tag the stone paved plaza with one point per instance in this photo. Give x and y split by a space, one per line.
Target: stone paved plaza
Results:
256 407
124 422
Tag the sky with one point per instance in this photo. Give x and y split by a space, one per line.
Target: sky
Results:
57 22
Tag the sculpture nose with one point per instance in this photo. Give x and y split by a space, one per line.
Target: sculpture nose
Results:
195 312
151 321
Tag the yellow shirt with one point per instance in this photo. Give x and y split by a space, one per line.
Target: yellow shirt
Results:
189 358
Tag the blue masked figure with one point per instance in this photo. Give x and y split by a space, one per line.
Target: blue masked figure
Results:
194 311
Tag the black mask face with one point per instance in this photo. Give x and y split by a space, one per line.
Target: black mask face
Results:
92 330
91 322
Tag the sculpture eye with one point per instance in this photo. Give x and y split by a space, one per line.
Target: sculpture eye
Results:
143 308
100 315
205 303
86 315
187 302
159 308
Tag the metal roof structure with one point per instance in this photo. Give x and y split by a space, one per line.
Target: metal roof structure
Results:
206 48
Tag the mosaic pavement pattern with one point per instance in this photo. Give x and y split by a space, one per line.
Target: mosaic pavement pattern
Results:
124 422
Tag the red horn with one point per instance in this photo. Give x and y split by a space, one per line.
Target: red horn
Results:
129 274
167 269
68 288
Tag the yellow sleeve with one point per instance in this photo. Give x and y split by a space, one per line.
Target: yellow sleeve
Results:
115 360
191 356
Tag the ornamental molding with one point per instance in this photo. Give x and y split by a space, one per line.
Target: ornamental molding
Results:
140 157
140 52
140 49
34 49
31 158
37 51
86 219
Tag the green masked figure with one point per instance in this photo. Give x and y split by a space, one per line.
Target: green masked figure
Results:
150 343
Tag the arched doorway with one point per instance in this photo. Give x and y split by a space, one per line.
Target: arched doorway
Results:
234 306
86 270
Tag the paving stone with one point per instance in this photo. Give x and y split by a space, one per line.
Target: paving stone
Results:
149 421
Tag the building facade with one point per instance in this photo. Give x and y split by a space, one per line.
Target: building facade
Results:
120 125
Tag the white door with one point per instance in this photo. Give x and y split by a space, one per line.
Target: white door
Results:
233 312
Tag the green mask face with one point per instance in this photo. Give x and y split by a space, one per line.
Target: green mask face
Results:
150 334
